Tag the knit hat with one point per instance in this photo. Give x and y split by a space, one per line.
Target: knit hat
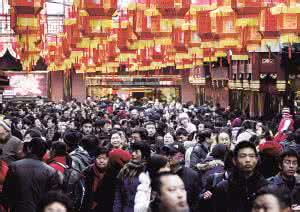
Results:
5 124
119 156
219 151
236 122
270 147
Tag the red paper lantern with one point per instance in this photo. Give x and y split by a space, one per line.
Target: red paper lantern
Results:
100 7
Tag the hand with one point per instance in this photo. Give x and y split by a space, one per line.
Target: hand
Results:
207 195
201 166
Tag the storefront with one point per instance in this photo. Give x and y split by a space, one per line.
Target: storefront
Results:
165 88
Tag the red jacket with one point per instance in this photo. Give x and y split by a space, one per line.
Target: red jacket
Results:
54 163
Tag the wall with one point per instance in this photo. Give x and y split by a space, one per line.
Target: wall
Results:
188 92
78 87
217 95
57 85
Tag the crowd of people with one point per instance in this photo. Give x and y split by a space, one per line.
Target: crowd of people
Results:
112 155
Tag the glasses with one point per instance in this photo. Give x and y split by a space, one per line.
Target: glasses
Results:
288 162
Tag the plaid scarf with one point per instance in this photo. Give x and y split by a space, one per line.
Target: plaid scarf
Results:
131 169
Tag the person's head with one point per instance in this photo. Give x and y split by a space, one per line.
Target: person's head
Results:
168 138
61 126
55 201
157 164
136 136
183 119
245 157
51 122
87 127
107 126
19 124
116 139
30 134
102 156
72 138
66 114
134 114
219 151
37 148
175 153
181 135
151 129
201 127
58 148
5 131
286 112
204 136
168 193
288 163
271 199
140 151
38 123
224 138
90 144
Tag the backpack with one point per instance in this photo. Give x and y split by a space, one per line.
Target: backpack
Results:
73 185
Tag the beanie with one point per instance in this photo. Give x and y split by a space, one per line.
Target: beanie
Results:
119 156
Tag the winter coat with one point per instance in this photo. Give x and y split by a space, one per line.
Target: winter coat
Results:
238 193
193 186
212 165
245 136
26 182
143 193
125 195
10 149
55 163
198 155
292 186
90 178
189 146
80 159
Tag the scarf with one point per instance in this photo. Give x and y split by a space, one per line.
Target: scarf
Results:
131 169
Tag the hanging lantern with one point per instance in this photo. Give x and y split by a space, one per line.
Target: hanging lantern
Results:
173 8
27 7
247 6
100 7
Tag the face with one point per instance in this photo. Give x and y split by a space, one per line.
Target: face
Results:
246 160
134 114
50 123
27 138
266 203
87 128
151 129
37 123
135 137
224 138
101 161
176 159
62 126
55 207
67 114
184 121
168 139
289 166
20 125
107 127
136 155
182 138
259 130
4 134
173 194
116 140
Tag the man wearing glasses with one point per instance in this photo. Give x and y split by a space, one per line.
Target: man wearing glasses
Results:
288 164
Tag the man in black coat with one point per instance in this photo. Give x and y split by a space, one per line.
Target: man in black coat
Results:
286 180
29 179
238 192
190 178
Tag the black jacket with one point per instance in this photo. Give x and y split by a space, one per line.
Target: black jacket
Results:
193 186
238 193
291 185
198 155
26 182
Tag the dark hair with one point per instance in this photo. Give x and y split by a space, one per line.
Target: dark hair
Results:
59 148
203 135
297 136
86 121
223 130
288 153
156 162
282 194
143 147
102 151
54 196
181 131
89 142
243 145
34 133
149 123
37 147
53 119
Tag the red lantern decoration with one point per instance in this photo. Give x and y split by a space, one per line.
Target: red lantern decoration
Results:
173 8
100 7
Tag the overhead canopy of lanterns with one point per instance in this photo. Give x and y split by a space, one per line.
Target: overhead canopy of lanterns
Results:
100 36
